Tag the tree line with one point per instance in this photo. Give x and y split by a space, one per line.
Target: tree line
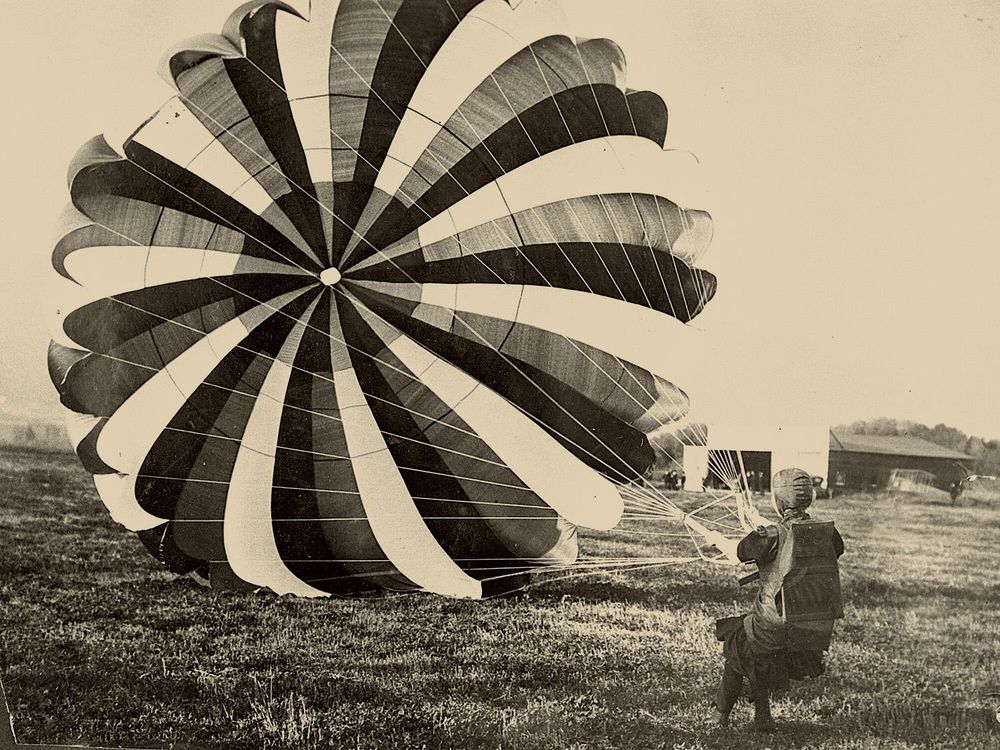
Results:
985 452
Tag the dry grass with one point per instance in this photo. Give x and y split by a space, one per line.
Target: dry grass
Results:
983 490
98 645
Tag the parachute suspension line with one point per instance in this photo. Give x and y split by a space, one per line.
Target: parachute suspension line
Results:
517 369
578 219
592 571
713 502
658 498
726 468
743 494
642 502
595 566
517 246
748 511
583 561
643 532
580 568
402 468
745 512
640 491
345 519
514 246
638 494
458 317
594 563
329 335
735 528
230 224
666 509
313 413
298 408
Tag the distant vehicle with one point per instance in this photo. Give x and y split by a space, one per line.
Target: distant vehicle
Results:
822 493
977 487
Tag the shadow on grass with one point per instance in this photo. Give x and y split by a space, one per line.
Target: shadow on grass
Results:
936 726
787 734
874 592
666 593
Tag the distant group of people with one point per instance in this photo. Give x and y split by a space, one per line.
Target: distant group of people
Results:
755 481
673 480
758 481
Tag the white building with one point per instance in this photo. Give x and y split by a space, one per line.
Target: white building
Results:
761 448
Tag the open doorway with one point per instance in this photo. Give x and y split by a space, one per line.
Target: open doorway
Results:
724 464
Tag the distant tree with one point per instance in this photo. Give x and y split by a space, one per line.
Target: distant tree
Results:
975 446
669 450
668 443
879 426
949 437
989 461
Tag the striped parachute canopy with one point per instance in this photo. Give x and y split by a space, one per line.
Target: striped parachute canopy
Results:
385 298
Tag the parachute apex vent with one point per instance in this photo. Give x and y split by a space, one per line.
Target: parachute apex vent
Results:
330 276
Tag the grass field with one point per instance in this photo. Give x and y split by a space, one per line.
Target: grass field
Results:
100 646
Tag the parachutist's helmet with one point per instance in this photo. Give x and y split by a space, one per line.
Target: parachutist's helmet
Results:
792 488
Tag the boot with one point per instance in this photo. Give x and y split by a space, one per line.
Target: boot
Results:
719 719
762 719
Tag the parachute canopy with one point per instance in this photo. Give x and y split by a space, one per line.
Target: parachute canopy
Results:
383 299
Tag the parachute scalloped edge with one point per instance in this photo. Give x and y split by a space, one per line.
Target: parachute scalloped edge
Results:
92 153
621 70
231 29
192 52
70 221
60 361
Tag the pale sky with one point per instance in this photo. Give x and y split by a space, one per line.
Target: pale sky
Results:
847 152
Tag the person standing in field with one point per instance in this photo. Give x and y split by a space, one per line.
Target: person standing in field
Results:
670 480
788 630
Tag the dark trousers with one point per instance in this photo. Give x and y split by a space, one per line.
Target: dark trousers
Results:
729 692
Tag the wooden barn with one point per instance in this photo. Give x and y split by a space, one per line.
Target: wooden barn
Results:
864 462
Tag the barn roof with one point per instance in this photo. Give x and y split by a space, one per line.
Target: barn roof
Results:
893 445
